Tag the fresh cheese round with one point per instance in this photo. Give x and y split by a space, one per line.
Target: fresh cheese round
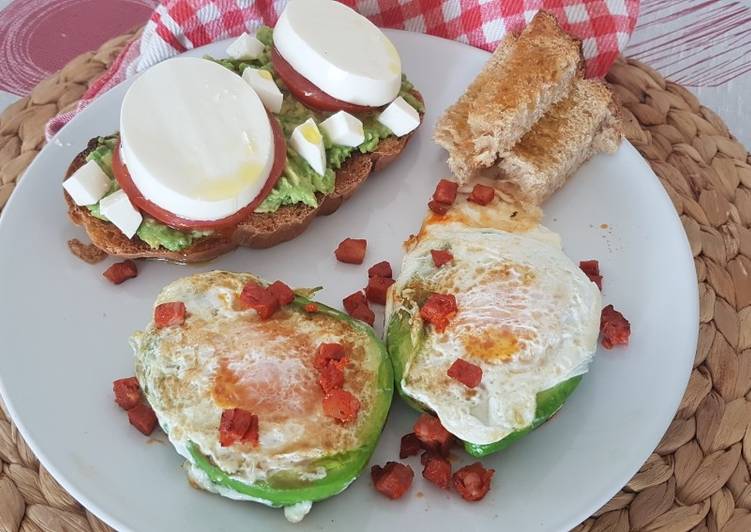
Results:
340 51
196 139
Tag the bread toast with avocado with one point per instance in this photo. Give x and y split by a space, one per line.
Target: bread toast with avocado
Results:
260 230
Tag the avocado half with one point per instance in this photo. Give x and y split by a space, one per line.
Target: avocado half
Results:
403 341
175 385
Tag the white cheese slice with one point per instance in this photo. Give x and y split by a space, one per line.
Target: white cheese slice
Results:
120 211
344 129
308 142
339 51
245 47
88 184
262 82
196 139
400 117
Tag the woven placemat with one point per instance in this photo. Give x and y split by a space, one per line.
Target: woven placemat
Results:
698 478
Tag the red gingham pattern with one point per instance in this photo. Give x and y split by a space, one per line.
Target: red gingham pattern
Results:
604 26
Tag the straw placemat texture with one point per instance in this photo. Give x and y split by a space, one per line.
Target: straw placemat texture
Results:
698 478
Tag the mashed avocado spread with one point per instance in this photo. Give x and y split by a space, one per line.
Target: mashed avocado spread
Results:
299 183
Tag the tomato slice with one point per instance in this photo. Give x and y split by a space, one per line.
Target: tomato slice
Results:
308 93
129 187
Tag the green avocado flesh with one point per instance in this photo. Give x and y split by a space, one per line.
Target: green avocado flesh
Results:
402 346
341 469
299 183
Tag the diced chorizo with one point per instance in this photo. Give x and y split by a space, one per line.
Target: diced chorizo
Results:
438 208
143 418
592 269
169 314
341 405
351 250
127 392
465 372
310 308
238 426
377 289
472 482
283 293
357 306
393 480
328 352
437 470
432 434
614 328
481 194
409 446
121 271
382 269
441 257
438 310
445 191
330 377
259 299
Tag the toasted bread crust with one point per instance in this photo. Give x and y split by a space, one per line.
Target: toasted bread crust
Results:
260 230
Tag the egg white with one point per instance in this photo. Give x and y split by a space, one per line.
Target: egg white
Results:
528 316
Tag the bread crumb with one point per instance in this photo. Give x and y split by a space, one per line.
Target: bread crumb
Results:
88 253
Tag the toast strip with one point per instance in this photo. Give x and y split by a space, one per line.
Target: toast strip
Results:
537 73
575 129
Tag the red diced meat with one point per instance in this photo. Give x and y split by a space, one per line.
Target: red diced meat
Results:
438 208
465 372
127 392
283 293
438 310
472 482
341 405
351 302
393 480
169 314
143 418
310 308
357 306
441 257
482 194
328 352
614 328
121 272
351 250
382 269
437 470
259 299
331 377
238 426
445 191
432 434
377 289
409 446
592 269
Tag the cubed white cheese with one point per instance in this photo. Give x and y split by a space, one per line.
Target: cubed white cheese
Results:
308 142
245 47
262 82
88 184
344 129
400 117
120 211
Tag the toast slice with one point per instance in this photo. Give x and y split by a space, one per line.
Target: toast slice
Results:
583 124
537 73
260 230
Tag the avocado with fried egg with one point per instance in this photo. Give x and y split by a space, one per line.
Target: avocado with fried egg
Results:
526 315
224 357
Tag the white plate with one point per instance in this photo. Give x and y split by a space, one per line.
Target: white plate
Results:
64 331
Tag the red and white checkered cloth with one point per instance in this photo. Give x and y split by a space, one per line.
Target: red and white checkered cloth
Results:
604 26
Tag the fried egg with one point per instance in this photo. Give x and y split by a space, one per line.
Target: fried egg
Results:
224 356
527 316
